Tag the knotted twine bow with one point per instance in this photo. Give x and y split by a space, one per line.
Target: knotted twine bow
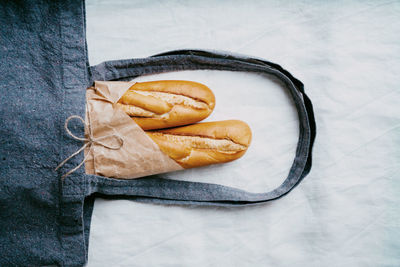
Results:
89 141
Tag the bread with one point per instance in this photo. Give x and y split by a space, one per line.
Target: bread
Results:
204 143
165 104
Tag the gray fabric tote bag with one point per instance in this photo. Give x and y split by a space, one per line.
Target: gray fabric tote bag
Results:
45 220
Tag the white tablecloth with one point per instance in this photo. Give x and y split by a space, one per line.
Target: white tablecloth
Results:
346 211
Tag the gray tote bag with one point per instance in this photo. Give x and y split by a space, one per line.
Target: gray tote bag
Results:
45 220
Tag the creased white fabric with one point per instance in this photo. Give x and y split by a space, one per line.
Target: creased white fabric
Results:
346 211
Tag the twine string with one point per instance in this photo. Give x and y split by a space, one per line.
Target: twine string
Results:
89 141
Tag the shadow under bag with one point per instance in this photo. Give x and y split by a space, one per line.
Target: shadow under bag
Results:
44 68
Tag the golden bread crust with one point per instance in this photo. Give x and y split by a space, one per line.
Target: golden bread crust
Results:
164 104
204 143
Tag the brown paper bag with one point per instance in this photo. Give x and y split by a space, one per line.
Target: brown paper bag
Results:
138 156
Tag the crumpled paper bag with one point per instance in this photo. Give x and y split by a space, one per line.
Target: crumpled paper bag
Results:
138 155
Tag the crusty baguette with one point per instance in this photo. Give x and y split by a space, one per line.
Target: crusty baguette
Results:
165 104
204 143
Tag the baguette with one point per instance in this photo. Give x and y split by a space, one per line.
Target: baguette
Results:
165 104
204 143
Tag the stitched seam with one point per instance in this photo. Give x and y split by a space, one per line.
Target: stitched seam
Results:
61 139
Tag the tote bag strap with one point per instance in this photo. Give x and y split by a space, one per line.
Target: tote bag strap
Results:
161 190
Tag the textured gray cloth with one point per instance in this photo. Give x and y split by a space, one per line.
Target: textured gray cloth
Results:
44 75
